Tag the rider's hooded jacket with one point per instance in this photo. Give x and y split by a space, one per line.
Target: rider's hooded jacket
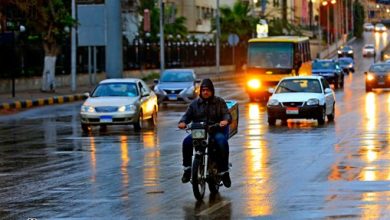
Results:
211 110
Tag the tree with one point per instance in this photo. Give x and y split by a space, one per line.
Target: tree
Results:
236 20
52 20
358 19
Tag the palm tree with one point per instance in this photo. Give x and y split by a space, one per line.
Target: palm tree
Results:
237 20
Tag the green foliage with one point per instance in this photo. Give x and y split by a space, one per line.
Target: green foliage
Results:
151 76
358 17
236 20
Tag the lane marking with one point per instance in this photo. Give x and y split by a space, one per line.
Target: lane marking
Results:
213 208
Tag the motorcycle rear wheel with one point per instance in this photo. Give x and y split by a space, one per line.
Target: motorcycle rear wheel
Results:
198 178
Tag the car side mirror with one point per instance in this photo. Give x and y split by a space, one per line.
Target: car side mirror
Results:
328 90
271 90
86 94
155 81
146 94
197 81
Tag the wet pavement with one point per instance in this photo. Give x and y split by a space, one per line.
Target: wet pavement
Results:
50 170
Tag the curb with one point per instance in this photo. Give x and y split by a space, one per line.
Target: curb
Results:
28 103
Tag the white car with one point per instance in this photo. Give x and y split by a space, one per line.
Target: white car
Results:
368 27
368 50
379 27
119 101
306 97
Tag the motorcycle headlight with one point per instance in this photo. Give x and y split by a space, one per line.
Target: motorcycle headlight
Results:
127 108
313 102
86 108
273 102
254 84
198 133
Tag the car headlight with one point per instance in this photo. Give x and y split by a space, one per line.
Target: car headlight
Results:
313 102
190 90
254 84
370 77
339 52
127 108
350 52
273 102
158 90
350 65
86 108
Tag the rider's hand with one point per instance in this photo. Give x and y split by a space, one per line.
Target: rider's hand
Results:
182 125
223 123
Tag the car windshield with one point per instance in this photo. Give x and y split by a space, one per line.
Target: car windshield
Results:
299 85
380 67
116 89
176 76
346 48
324 65
369 47
270 55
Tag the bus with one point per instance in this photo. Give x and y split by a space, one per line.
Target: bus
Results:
273 58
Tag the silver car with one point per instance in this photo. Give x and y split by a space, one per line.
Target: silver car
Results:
119 101
177 86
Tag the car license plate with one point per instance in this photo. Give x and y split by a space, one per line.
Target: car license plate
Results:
381 83
292 111
172 97
106 119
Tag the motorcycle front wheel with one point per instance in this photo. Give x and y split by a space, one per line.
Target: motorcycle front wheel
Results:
198 178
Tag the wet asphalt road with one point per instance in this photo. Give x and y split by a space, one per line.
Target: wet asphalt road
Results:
50 170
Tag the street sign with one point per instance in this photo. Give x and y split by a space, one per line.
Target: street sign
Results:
233 39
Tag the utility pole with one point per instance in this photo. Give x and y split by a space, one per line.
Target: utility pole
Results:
162 44
217 38
73 49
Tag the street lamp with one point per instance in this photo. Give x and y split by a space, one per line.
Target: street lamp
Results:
326 4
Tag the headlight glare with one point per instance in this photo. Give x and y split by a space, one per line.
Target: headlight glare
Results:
370 77
254 83
313 102
86 108
127 108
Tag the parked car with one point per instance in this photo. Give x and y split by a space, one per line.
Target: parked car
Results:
378 76
120 102
347 64
177 86
368 50
330 69
345 51
368 27
379 27
307 97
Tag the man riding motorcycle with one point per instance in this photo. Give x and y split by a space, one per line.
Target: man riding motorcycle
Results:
211 109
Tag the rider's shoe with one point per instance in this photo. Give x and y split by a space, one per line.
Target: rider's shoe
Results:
186 176
226 180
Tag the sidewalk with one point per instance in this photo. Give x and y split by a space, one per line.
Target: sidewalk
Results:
33 98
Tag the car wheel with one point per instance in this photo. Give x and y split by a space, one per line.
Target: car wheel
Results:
85 128
331 115
321 118
138 123
271 121
153 119
342 82
336 84
368 88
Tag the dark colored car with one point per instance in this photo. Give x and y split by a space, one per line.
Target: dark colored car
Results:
345 51
347 64
329 69
378 76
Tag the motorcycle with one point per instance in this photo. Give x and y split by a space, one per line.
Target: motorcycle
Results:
204 165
